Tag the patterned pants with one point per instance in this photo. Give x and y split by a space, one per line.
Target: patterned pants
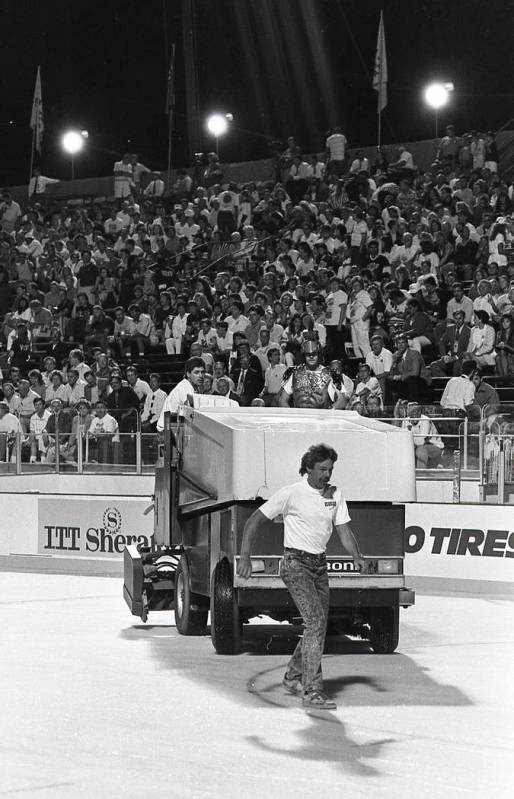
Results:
306 579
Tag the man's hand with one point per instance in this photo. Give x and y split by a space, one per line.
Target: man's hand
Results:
244 567
361 564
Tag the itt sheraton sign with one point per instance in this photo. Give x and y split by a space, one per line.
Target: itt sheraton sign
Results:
92 527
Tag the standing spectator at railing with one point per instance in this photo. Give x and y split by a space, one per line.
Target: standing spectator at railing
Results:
9 429
123 177
335 152
38 183
80 425
138 170
10 213
477 148
37 424
449 147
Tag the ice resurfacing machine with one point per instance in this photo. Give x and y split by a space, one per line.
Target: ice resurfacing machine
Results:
219 465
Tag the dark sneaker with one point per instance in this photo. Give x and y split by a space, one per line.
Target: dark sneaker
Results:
318 701
292 685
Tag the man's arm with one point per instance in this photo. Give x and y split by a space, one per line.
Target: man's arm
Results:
251 528
347 538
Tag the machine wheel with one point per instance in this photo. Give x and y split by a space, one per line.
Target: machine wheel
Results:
226 625
384 623
190 609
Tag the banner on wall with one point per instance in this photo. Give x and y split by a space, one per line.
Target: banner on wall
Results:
92 528
474 542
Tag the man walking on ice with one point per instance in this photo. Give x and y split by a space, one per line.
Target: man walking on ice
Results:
311 508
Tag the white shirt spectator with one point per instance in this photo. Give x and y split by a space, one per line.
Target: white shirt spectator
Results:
273 378
458 393
107 424
154 402
175 398
336 300
336 145
380 363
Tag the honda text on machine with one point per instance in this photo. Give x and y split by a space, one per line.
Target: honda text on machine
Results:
220 463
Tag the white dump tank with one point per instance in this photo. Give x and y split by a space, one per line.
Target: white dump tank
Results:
244 453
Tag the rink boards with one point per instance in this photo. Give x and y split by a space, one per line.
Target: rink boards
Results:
467 546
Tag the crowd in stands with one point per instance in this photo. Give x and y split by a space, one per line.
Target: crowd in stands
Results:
402 276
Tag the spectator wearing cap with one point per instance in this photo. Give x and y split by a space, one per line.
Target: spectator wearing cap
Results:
155 187
9 429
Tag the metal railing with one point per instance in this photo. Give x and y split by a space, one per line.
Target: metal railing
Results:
497 453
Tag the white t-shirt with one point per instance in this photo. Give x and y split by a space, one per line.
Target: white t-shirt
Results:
175 398
309 517
336 145
380 363
335 300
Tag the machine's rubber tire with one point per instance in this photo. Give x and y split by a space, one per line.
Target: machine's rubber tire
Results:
226 625
191 609
385 630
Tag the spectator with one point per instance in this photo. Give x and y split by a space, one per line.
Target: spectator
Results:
9 429
102 435
123 178
37 424
505 346
459 392
366 385
273 377
485 394
407 378
247 379
56 435
154 401
418 327
453 346
335 146
481 341
428 446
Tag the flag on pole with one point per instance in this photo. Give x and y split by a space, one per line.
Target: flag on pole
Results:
170 91
36 117
380 71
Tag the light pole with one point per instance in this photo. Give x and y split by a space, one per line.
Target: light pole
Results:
217 124
72 143
436 96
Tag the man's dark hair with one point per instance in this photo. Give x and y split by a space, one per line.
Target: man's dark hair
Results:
468 367
316 454
194 363
155 374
